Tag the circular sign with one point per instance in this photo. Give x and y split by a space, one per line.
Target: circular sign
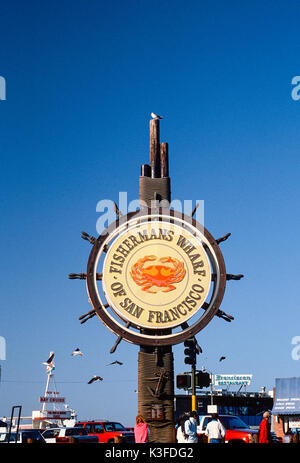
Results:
156 275
150 272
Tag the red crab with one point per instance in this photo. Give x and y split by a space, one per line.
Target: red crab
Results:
159 276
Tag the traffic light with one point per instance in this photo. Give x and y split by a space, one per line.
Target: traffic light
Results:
191 351
202 379
183 381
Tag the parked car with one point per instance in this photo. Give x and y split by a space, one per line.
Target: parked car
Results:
23 437
236 430
106 431
276 439
68 435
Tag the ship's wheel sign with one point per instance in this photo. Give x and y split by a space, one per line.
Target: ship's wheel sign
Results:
155 278
156 275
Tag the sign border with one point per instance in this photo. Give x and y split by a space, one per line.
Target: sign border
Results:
153 336
156 327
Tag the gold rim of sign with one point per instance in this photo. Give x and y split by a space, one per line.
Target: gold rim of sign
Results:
156 275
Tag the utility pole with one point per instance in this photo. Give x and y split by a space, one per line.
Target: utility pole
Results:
191 351
211 389
194 404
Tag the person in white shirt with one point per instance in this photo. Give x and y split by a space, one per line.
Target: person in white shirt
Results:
215 430
190 428
180 435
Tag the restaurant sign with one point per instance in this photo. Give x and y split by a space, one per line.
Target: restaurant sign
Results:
228 380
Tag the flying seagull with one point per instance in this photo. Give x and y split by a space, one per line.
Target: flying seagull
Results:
155 116
222 358
76 352
49 359
95 378
116 362
49 363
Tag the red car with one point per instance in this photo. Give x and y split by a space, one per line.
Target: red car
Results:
107 431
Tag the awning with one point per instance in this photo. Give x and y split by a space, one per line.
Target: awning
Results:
287 396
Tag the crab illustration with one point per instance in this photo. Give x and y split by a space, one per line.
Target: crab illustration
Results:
156 275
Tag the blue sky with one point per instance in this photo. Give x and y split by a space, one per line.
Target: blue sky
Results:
82 79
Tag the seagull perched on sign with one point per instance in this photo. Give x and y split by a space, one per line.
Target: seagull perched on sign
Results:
222 358
156 116
95 378
76 352
116 362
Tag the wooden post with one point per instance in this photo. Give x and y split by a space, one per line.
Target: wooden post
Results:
154 148
164 159
157 409
145 170
157 406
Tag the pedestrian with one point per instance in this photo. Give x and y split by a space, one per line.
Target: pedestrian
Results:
141 430
265 436
215 430
190 427
181 437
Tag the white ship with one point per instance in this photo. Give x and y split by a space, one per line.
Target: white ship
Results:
54 411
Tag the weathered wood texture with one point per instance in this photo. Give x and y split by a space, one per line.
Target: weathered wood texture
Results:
154 148
164 159
145 170
156 394
149 186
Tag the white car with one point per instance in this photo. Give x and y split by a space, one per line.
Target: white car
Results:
22 437
68 435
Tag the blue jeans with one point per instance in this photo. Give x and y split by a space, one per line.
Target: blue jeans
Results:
215 441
